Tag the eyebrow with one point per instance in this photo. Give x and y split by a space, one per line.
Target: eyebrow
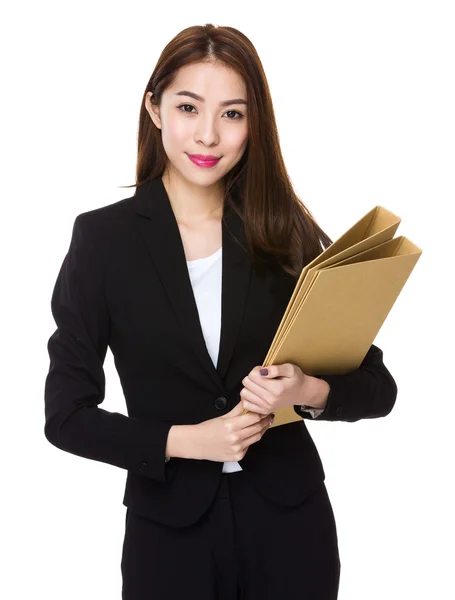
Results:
201 99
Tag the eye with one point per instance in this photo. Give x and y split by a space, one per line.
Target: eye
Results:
184 105
240 116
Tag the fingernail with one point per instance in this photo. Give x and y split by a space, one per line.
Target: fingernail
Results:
264 371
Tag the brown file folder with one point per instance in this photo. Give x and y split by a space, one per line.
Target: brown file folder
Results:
341 300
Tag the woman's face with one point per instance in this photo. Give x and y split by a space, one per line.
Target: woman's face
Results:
202 126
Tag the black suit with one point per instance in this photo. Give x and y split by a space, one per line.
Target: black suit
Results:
124 283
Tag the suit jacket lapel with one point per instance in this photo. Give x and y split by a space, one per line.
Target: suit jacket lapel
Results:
161 235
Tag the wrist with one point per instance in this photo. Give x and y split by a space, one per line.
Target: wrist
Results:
315 392
179 441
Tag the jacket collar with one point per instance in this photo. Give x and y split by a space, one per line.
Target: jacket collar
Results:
161 235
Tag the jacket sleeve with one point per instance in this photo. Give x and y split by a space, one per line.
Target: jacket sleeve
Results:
75 383
368 392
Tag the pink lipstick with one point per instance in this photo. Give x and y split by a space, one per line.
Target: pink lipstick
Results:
203 160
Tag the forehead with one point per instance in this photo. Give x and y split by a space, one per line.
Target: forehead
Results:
210 80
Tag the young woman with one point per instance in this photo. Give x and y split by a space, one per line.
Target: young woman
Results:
186 282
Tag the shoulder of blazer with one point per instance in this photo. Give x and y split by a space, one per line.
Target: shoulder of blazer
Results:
100 222
114 210
95 232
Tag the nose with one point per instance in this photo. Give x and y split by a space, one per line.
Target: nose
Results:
207 131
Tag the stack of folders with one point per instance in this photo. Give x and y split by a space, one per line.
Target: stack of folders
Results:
341 300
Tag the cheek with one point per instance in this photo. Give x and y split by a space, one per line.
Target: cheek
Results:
174 132
236 138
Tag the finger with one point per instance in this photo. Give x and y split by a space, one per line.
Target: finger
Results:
268 419
250 397
255 408
260 428
250 415
263 390
269 384
274 371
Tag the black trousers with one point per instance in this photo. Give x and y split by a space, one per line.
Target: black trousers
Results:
243 548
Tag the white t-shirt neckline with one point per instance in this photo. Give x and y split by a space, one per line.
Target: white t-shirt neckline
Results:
198 260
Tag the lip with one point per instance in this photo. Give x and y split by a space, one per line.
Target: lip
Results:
204 156
203 161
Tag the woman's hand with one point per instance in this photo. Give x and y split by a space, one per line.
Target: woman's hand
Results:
283 385
228 437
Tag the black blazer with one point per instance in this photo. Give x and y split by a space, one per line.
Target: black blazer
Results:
124 283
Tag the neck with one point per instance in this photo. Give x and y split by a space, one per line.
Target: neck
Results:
193 203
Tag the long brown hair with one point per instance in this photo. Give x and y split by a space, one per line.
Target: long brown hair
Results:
279 229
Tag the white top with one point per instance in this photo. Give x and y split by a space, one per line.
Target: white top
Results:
205 275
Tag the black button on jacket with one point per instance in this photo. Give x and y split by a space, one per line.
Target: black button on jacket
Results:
124 284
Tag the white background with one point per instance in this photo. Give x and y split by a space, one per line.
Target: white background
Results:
364 99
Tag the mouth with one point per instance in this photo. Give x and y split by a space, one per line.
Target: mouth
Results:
204 161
